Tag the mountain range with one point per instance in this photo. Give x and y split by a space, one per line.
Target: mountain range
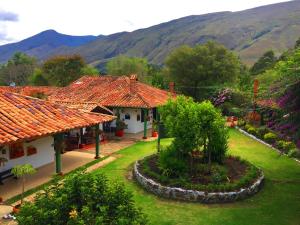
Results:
249 33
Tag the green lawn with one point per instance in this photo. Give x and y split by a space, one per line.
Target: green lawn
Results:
278 203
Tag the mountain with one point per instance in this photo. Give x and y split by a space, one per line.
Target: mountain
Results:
42 44
249 33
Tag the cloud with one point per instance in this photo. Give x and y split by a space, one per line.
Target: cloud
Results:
8 16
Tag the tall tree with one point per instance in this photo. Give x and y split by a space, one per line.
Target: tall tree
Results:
17 69
265 62
62 70
124 65
194 69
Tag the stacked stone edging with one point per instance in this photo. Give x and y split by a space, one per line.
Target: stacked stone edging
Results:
193 195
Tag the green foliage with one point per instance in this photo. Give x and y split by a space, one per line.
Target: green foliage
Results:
241 122
22 170
261 131
285 146
252 130
18 69
120 125
265 62
82 199
270 137
89 70
37 78
294 152
195 127
171 163
124 65
62 70
194 69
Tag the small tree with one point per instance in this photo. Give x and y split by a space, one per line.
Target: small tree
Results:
195 127
21 171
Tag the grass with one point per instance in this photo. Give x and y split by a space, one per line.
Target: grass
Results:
277 203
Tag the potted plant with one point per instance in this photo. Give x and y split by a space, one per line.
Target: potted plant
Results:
120 126
155 128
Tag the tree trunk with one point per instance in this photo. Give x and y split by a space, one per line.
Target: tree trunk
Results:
23 189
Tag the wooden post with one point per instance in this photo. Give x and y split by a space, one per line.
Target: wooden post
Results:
58 148
145 122
97 142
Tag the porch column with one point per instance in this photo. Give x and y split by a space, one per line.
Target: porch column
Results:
158 130
145 122
97 142
81 136
58 148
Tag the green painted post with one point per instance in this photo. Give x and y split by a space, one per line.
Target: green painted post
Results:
145 122
97 142
58 147
158 130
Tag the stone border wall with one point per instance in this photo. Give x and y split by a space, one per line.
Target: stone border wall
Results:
193 195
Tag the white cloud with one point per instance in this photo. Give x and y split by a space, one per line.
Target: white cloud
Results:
78 17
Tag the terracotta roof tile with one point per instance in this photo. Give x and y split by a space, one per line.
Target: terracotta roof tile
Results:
112 91
24 117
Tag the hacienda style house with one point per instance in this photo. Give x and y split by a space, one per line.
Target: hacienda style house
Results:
133 102
33 130
37 130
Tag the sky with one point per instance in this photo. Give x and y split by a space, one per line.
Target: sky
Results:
20 19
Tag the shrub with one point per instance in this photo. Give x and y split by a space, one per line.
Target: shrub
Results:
261 131
83 198
294 152
219 174
270 137
247 126
241 123
285 146
252 130
171 163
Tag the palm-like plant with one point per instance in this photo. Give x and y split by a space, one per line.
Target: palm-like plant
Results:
21 171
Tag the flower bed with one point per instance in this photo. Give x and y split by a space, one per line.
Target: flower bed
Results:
270 138
243 186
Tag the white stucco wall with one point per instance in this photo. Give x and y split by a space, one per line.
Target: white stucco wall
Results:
133 125
44 155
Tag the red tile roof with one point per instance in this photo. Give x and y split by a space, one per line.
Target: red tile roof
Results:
23 118
85 106
30 90
112 91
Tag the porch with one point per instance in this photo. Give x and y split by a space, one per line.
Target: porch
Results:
70 160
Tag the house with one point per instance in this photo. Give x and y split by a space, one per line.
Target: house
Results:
131 101
33 130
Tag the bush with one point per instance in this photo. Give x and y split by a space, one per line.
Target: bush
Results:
83 198
270 137
252 130
261 131
294 152
241 123
219 174
285 146
171 164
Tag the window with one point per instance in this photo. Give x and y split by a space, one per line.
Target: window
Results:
16 150
127 116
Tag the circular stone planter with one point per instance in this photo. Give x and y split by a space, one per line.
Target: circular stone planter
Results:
193 195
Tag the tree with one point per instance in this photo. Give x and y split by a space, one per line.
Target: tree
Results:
195 127
82 198
195 69
124 65
265 62
297 44
37 78
62 70
21 171
17 69
89 70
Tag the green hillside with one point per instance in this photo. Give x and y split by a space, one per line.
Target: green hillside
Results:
250 33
